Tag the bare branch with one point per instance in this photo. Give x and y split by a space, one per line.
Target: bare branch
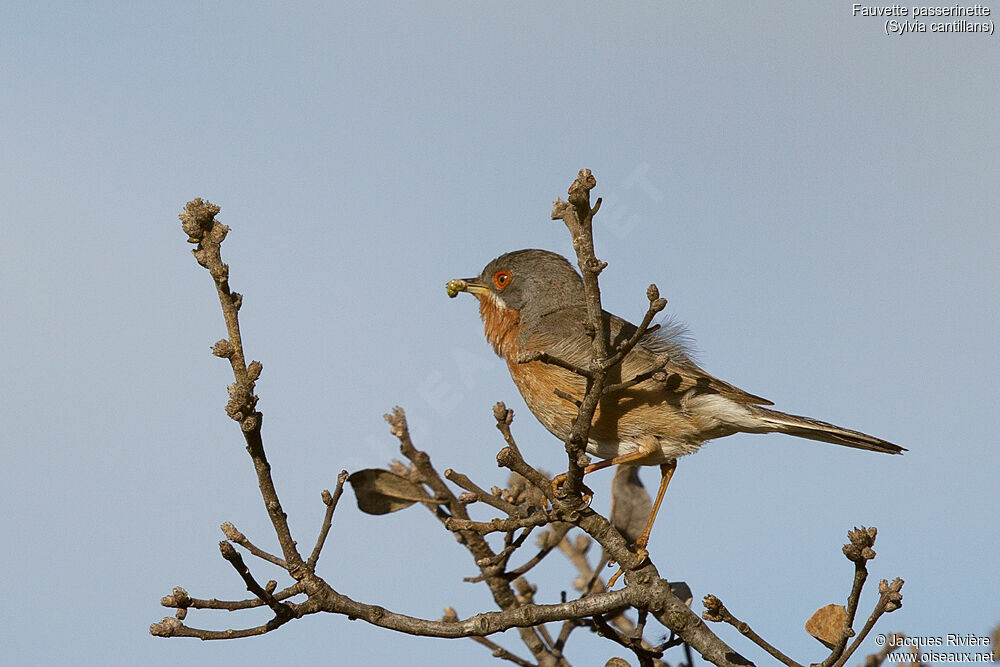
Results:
180 599
889 600
451 616
230 531
716 611
282 611
577 214
199 223
859 551
331 505
548 542
655 370
528 356
502 653
645 591
474 542
510 456
482 495
537 518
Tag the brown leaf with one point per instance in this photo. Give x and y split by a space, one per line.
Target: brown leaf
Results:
382 492
827 624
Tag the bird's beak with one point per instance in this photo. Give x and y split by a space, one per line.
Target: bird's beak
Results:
470 285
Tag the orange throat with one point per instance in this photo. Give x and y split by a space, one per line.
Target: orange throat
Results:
500 325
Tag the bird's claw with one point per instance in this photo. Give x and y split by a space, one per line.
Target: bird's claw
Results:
560 480
640 552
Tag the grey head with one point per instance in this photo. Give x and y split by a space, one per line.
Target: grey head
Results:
533 282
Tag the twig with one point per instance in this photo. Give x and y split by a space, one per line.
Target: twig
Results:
510 456
199 223
331 505
537 518
889 600
656 304
567 627
180 599
451 616
482 495
474 542
547 542
653 372
172 627
716 611
552 539
859 551
566 396
230 531
528 356
526 596
282 611
601 627
511 545
577 214
502 653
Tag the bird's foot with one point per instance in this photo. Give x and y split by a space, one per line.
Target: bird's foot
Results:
640 549
557 487
640 552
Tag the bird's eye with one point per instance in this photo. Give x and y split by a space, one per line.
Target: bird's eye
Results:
501 279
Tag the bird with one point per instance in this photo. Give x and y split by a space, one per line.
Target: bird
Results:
532 303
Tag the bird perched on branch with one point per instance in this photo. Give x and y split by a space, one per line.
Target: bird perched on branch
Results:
534 313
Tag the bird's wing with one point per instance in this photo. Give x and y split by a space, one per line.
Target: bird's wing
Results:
673 340
562 334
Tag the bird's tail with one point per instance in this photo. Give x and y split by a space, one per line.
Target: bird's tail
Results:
814 429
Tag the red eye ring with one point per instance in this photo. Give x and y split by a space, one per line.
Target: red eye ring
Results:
501 279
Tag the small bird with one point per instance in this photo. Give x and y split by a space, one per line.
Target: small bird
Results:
533 301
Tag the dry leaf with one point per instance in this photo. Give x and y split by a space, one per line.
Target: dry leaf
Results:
630 502
381 492
827 624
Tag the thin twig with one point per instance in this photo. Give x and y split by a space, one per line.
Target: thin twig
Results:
656 304
889 600
656 369
451 616
502 653
566 396
510 456
180 599
645 656
552 539
331 505
230 531
528 356
282 611
567 627
474 542
859 551
510 547
716 611
537 518
199 223
481 494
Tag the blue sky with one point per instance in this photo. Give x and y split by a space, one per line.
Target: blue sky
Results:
817 201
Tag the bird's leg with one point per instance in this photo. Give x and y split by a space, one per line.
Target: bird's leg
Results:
666 472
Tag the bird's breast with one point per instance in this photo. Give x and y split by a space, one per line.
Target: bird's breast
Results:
500 324
622 422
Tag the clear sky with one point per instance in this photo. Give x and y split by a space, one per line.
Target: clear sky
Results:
817 200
